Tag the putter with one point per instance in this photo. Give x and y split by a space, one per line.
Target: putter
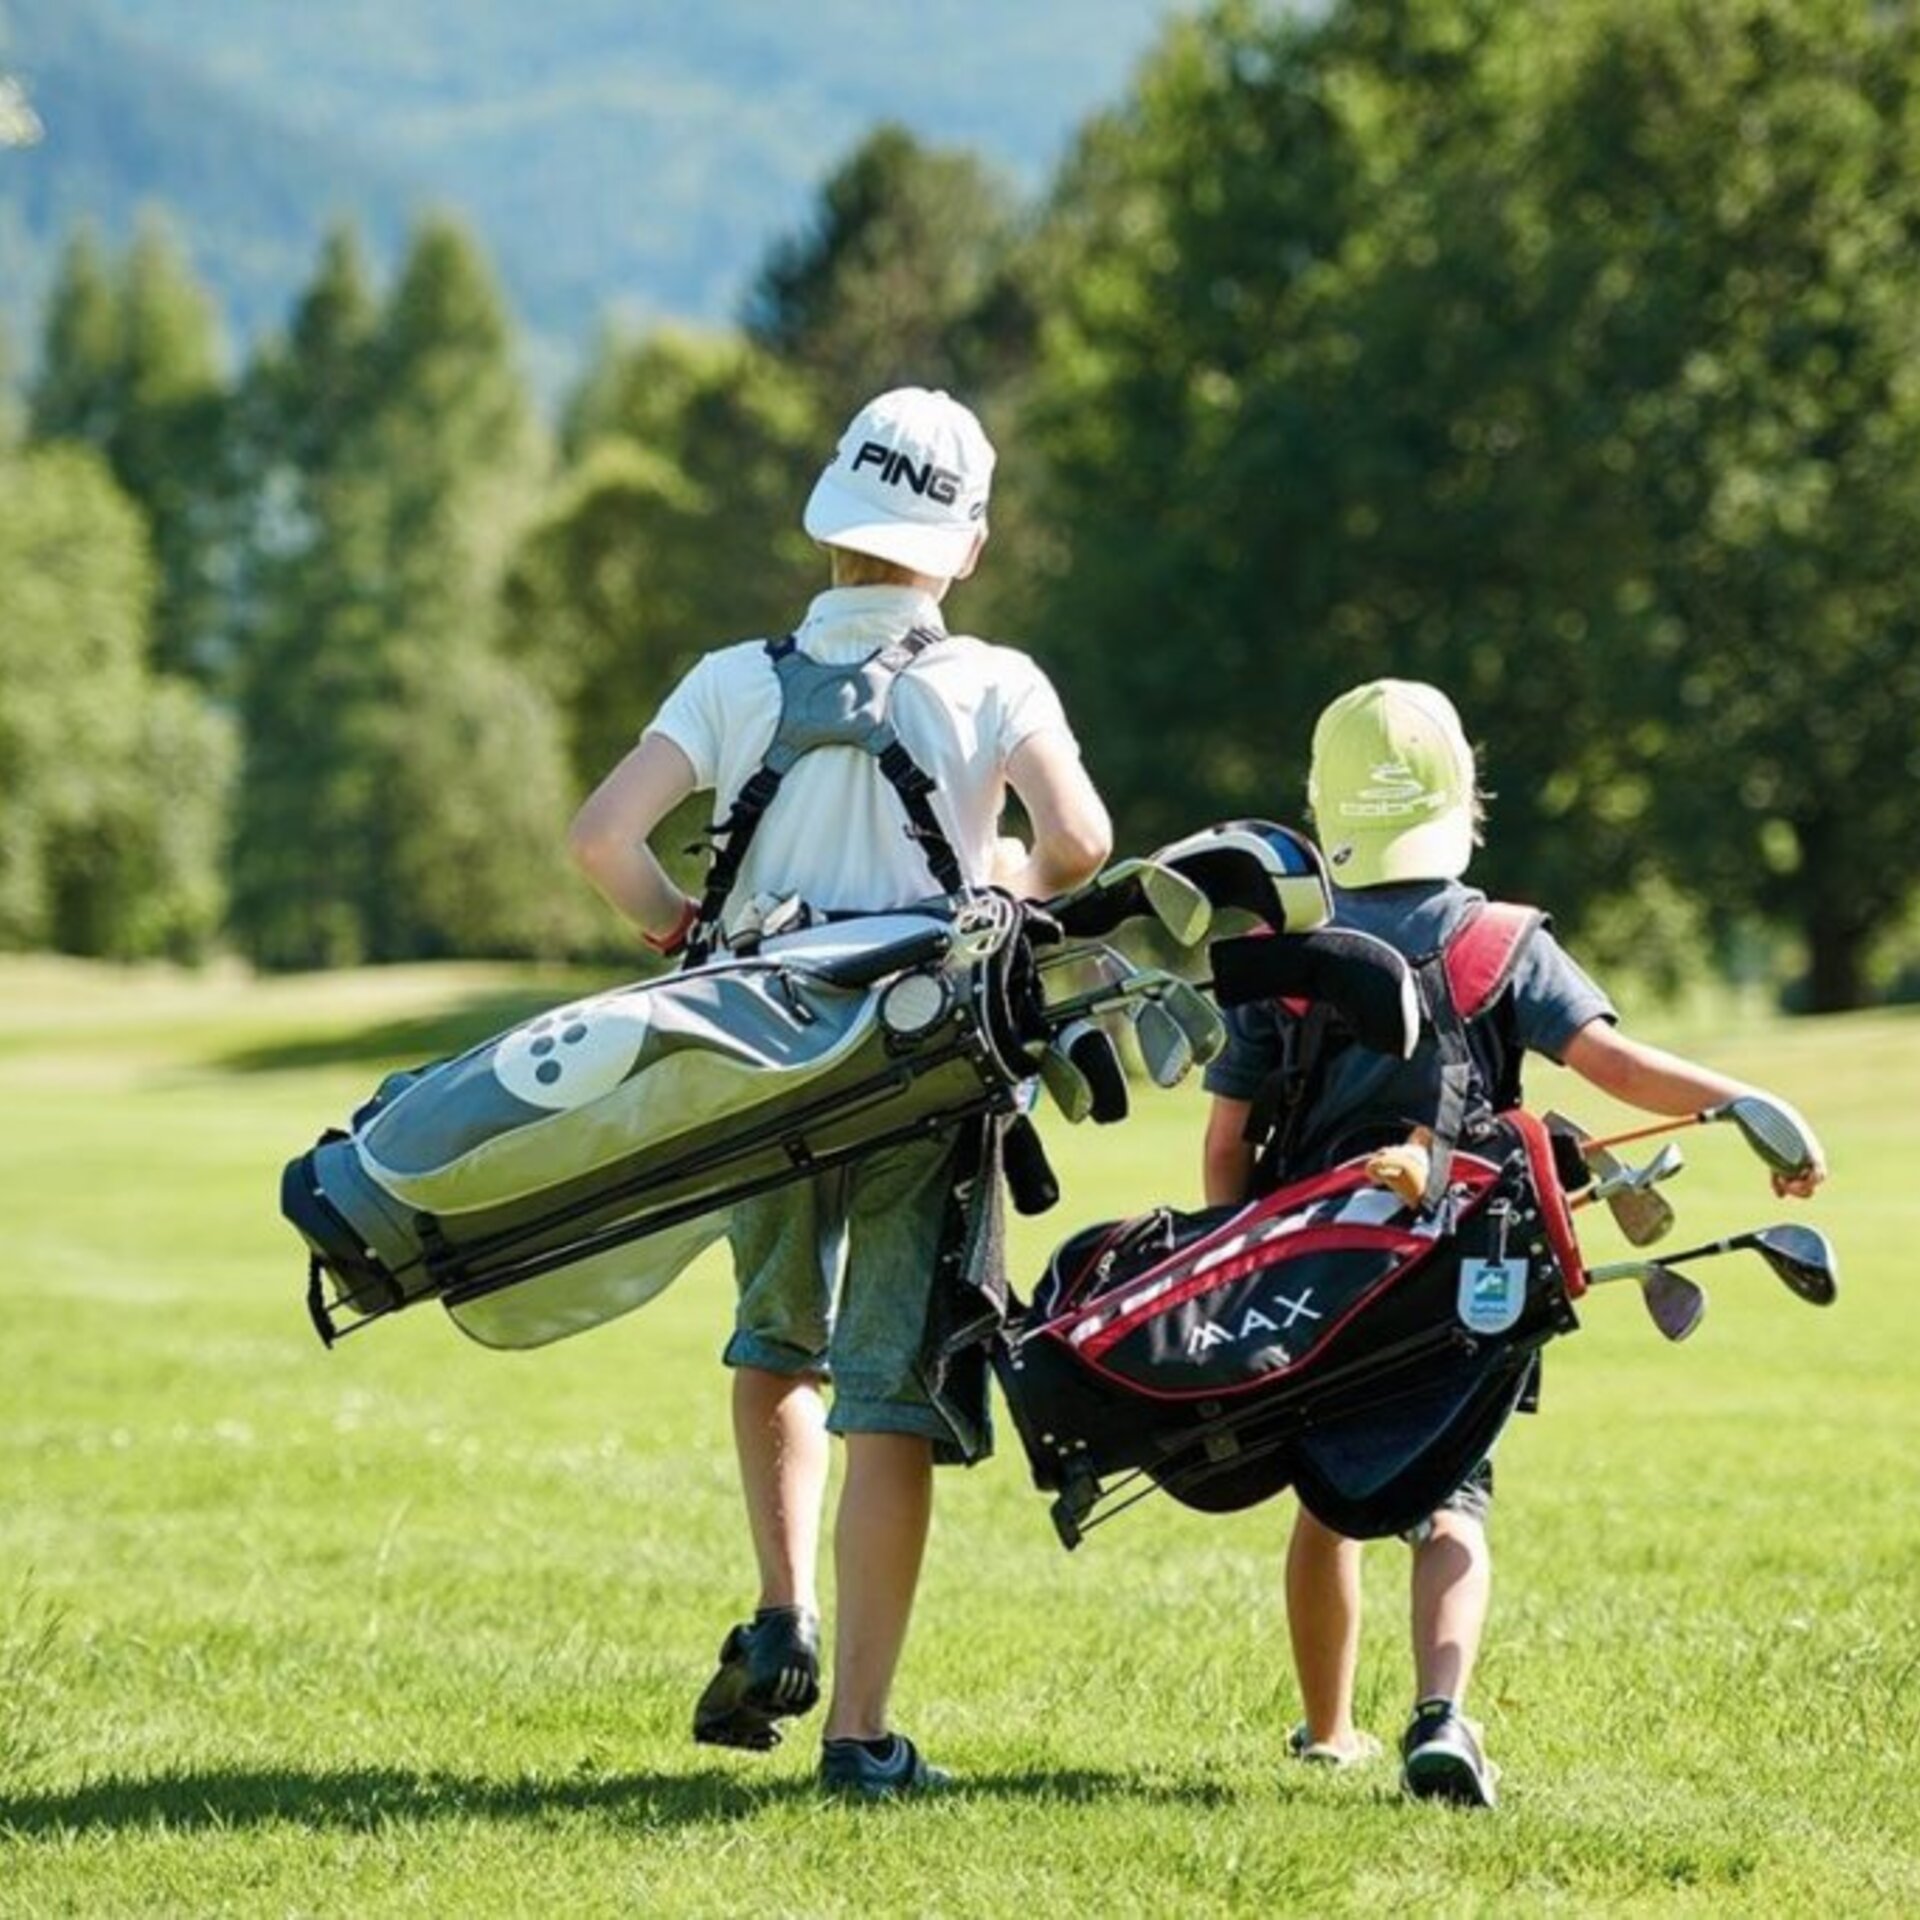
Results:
1802 1257
1675 1304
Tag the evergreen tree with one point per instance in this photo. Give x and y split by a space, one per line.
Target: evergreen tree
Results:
677 530
130 366
76 393
900 278
404 791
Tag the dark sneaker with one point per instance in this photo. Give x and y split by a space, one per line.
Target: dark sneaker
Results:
852 1767
1440 1757
769 1668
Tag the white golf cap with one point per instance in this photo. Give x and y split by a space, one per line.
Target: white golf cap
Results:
908 483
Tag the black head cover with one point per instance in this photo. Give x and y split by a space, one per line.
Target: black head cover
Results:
1367 982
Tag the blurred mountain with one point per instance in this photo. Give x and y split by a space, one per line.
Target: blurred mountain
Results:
611 155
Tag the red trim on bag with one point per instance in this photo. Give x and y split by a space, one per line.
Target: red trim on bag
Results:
1555 1214
1092 1362
1351 1236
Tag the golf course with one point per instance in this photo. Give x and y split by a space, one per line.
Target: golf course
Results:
414 1627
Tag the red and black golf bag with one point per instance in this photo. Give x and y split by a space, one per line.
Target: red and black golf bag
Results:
1328 1337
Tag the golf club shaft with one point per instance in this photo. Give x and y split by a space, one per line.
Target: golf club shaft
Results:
1648 1133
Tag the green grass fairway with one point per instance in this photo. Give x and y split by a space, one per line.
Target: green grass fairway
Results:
413 1627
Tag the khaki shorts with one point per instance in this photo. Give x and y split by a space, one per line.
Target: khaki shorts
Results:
835 1277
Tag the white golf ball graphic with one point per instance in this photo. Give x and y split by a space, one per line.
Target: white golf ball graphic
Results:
574 1055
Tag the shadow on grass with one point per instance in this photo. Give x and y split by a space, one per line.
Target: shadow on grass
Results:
357 1799
413 1041
362 1799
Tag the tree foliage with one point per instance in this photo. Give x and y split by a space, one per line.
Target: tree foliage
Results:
404 792
1562 367
113 780
898 279
130 365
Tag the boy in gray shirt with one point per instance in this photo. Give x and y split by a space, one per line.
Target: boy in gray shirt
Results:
1395 801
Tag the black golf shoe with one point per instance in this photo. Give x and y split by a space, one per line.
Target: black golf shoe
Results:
852 1767
769 1669
1440 1757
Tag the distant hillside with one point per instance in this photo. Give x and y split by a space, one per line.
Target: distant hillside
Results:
610 154
128 126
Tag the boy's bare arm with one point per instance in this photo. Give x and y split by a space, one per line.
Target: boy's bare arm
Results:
1662 1082
1226 1169
608 838
1072 835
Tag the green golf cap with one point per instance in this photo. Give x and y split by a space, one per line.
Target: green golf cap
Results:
1392 785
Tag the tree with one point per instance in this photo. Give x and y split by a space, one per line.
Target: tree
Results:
898 280
113 780
677 529
1419 339
76 393
401 778
130 366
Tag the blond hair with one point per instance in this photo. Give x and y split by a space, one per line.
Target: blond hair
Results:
851 569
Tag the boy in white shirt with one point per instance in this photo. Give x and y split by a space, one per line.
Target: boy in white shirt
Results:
901 509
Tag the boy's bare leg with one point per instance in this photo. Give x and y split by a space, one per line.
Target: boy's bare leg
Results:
1452 1589
1323 1621
880 1538
780 1435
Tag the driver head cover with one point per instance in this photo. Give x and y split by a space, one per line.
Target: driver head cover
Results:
1392 785
907 483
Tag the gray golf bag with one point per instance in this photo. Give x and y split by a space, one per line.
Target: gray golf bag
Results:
568 1170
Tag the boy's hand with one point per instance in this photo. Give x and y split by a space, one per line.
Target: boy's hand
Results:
1800 1186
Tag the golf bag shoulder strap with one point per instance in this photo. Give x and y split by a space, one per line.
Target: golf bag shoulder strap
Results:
1285 1096
1461 983
826 704
1485 950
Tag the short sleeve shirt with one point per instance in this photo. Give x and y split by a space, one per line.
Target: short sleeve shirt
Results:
836 833
1552 998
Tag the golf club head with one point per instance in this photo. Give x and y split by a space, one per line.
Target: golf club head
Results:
1068 1087
1091 1051
1199 1019
1642 1215
1367 982
1178 903
1256 867
1675 1304
1771 1128
1804 1259
1133 890
1165 1050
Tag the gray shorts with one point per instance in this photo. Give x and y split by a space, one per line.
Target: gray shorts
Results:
1473 1497
835 1277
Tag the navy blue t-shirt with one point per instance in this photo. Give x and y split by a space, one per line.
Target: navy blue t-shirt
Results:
1551 999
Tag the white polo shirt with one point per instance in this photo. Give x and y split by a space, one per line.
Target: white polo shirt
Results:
836 833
